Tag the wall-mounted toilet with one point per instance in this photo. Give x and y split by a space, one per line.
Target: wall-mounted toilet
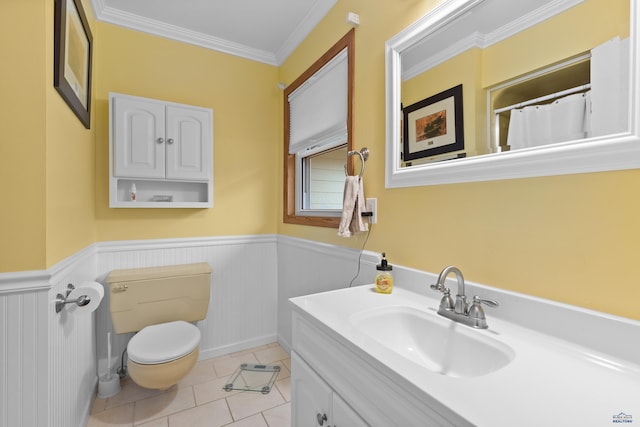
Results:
158 303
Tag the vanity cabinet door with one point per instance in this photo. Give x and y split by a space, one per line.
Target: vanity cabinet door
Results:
344 416
310 395
139 130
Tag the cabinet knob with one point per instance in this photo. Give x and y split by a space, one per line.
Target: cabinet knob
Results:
160 140
170 141
321 418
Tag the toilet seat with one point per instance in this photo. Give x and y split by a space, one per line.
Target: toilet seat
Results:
163 342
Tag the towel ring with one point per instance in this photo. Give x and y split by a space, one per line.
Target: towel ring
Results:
364 155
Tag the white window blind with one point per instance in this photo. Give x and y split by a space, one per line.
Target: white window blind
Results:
318 109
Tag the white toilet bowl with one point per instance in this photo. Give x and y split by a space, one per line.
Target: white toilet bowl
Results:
159 303
161 355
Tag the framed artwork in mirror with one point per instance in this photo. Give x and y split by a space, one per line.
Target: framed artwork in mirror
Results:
433 126
72 58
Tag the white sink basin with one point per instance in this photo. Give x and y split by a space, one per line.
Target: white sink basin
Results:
437 344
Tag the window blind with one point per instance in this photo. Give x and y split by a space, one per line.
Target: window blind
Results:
318 109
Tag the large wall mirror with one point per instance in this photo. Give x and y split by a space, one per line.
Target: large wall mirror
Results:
480 90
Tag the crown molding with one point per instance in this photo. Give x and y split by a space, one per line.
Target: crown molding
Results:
162 29
302 30
104 13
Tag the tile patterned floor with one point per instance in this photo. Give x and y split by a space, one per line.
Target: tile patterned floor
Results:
199 400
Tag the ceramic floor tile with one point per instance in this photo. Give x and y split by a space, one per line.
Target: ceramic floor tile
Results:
284 388
226 367
160 422
249 403
201 372
280 416
174 400
212 414
121 416
271 354
252 421
211 390
199 399
130 392
285 372
99 405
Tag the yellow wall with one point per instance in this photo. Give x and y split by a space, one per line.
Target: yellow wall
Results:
46 156
574 32
459 70
70 164
55 172
245 101
573 239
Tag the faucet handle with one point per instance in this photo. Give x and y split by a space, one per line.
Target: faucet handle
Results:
476 312
446 303
489 302
438 287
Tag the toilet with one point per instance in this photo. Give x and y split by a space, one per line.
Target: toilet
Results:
158 303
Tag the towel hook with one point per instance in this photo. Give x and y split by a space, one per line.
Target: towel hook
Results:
364 155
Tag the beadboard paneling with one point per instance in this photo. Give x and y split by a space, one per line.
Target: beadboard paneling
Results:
306 267
49 362
71 356
242 308
21 318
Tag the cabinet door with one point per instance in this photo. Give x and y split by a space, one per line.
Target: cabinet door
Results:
189 143
138 140
310 396
344 416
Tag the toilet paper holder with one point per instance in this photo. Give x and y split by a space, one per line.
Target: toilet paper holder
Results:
61 300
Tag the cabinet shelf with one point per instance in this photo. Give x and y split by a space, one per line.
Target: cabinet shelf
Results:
183 194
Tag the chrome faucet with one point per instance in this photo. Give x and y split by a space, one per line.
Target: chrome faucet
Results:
460 311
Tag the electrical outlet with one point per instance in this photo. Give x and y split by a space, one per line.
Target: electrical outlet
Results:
371 205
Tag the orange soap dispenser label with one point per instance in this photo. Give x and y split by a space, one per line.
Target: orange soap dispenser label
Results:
384 283
384 279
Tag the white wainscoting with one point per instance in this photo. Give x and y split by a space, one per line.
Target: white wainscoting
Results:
242 308
307 267
50 362
47 360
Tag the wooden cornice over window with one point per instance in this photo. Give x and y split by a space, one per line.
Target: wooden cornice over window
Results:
346 42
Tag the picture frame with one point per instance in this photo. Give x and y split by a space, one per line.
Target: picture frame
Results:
433 126
72 58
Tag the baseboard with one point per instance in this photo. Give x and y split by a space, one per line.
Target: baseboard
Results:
236 347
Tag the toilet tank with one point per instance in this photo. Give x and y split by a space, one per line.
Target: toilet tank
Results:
141 297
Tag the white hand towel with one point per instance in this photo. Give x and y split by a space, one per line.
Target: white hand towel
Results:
352 207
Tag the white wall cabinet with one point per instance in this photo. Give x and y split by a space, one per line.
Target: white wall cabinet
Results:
164 149
316 404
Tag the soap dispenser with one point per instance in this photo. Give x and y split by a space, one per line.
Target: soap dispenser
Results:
384 279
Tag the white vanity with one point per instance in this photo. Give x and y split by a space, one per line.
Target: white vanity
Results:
363 358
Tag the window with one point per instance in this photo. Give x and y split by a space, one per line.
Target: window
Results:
318 117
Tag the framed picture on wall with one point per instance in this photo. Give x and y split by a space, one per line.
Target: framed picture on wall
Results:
72 58
433 126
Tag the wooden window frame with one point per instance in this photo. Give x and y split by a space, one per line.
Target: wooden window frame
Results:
290 217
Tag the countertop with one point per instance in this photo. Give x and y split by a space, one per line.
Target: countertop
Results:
549 382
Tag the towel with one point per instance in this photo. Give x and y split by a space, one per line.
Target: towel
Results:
352 207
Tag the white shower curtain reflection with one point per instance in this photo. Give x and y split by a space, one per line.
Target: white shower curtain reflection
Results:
565 119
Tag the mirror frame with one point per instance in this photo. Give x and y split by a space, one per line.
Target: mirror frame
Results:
612 152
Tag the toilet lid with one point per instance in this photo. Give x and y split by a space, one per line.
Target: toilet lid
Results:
163 342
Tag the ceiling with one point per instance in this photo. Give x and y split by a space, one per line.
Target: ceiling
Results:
261 30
